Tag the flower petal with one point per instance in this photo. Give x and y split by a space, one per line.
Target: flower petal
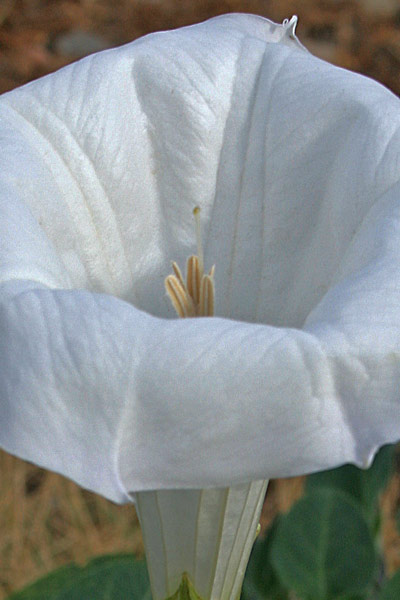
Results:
65 378
295 164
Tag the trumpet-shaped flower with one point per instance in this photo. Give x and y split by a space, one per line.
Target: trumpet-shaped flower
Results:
296 167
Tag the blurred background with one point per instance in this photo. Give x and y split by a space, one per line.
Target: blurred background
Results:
45 520
39 36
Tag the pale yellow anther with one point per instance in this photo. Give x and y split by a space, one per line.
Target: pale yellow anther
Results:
179 297
195 298
193 278
178 274
206 303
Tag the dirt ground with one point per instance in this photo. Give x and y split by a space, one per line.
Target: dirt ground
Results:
37 36
45 520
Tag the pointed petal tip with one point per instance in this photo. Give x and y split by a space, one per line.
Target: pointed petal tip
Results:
290 26
368 458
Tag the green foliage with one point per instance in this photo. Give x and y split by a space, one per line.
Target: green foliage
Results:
261 580
323 548
116 577
47 587
364 486
391 591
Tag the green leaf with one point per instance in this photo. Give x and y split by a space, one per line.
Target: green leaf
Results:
47 587
322 548
261 580
115 577
362 485
391 590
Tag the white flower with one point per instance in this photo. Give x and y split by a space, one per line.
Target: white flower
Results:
296 165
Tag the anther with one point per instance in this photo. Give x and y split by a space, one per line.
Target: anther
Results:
195 297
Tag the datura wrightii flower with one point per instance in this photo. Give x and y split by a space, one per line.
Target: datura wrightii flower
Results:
295 165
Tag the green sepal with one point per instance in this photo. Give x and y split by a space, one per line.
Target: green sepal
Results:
185 590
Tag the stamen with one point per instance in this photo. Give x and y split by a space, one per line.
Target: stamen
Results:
178 274
206 304
179 297
195 298
193 278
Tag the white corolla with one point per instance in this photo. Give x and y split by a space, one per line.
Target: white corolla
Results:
295 165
